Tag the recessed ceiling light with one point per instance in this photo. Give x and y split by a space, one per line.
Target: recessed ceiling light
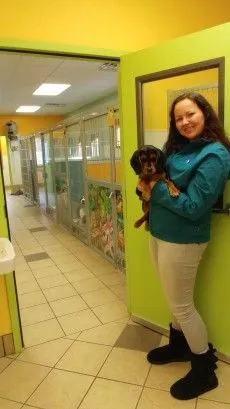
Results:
51 89
28 108
108 66
94 113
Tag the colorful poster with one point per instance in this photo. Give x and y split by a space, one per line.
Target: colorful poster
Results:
120 230
100 219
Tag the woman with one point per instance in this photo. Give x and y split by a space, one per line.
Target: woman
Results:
198 162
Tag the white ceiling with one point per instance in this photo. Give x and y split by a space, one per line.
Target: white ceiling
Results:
21 74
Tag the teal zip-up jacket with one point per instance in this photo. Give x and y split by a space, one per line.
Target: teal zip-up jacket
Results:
200 170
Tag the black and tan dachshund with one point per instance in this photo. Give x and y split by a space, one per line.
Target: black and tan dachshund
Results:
149 164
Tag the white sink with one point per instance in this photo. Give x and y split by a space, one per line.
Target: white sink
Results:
7 256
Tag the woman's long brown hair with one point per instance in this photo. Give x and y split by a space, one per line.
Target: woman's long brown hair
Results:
213 130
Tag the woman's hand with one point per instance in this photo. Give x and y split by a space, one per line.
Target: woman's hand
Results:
146 194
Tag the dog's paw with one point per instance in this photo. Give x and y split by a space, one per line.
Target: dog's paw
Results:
174 193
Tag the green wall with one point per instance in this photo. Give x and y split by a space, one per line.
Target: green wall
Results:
146 299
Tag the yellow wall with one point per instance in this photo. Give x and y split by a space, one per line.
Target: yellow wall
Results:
99 171
3 145
5 323
118 170
112 24
102 171
5 163
28 124
155 95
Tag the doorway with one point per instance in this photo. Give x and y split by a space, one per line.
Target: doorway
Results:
41 170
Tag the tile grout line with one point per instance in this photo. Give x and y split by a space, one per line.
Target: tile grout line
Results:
14 401
44 297
78 406
96 376
45 303
48 366
55 367
64 298
118 299
109 354
69 282
41 343
48 302
26 401
140 396
75 238
77 294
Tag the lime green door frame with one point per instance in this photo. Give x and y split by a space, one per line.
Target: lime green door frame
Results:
146 301
59 49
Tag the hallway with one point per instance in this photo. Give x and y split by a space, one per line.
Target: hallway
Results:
82 351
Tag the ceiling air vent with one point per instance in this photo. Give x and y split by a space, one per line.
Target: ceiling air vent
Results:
53 105
108 66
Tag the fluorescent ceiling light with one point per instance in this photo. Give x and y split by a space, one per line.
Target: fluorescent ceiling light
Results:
28 108
51 89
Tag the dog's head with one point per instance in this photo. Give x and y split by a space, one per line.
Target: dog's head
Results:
147 161
82 201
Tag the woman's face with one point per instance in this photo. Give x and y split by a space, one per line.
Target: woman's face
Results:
189 119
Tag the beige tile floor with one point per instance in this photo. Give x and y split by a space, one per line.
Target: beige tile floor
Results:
81 349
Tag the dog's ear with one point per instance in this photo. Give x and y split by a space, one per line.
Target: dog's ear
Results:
135 162
160 161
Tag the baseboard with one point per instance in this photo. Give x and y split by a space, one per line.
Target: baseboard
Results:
14 188
6 345
165 332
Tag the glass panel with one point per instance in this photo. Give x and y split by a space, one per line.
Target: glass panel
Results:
59 146
76 182
23 156
26 157
98 153
40 172
48 167
33 170
100 219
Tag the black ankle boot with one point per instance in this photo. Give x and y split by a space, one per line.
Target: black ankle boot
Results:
176 351
200 379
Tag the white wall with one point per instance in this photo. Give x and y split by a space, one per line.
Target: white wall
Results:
156 138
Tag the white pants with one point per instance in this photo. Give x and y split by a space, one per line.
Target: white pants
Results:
177 266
